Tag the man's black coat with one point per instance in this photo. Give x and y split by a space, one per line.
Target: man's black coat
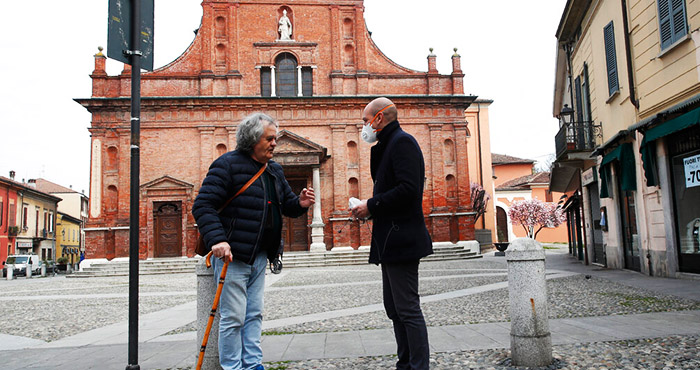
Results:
398 170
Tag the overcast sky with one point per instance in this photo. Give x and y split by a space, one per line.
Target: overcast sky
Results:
47 50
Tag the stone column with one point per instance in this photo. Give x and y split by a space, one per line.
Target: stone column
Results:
206 290
317 244
299 92
530 339
273 86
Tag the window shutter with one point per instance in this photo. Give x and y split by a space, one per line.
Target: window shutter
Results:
610 58
672 21
579 105
680 27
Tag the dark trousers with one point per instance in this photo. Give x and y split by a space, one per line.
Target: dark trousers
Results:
402 305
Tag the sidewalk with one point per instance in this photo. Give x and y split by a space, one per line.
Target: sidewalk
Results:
106 348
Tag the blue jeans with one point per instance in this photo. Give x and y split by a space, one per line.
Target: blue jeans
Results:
240 309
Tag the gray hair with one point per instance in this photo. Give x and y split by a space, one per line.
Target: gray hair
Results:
250 131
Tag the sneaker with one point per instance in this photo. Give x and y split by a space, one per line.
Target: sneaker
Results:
259 367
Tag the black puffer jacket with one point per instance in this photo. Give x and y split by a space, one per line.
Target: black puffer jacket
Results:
242 222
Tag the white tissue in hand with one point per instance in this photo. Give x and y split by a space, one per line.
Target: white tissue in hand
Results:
353 202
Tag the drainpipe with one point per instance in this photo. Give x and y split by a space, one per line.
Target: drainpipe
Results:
567 48
628 55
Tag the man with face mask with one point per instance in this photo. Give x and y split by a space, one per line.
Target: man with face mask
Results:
399 235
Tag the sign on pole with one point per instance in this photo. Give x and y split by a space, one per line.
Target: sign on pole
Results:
119 32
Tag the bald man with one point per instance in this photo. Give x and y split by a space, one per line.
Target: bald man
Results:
399 236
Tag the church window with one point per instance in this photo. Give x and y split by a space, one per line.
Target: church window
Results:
286 75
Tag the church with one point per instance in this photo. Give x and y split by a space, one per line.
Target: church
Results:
313 67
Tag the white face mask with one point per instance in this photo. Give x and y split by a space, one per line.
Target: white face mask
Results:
369 135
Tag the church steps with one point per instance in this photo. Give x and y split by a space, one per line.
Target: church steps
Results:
290 259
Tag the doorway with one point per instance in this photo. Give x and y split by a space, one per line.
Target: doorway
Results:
295 231
501 225
168 229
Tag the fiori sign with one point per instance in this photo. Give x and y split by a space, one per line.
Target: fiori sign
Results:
692 171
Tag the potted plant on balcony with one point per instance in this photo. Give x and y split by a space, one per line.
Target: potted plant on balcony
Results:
13 230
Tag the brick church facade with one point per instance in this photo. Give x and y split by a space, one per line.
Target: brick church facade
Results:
314 74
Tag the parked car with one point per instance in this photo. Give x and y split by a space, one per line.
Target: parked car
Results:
21 263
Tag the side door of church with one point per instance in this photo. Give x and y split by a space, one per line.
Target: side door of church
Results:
295 231
168 229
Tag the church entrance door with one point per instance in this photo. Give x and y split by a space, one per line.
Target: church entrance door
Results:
168 229
295 231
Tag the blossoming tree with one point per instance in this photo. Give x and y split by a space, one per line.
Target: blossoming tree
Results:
534 215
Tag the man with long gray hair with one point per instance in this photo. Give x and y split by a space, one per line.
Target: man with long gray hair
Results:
245 233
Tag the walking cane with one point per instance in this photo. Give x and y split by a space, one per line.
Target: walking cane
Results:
214 306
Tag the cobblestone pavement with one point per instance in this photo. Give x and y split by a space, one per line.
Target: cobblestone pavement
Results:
52 308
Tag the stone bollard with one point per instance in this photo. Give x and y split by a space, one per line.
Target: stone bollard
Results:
68 269
530 339
206 289
43 270
10 271
28 272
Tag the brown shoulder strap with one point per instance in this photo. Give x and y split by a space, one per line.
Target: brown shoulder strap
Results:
247 184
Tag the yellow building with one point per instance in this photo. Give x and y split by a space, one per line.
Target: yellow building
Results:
68 238
628 153
36 217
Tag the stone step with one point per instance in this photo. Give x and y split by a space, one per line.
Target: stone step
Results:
290 259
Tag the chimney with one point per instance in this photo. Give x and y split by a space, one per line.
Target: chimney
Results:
12 175
32 183
432 65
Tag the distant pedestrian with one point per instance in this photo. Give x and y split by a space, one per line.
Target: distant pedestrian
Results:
399 235
245 233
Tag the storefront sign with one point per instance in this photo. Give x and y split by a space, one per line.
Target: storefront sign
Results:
588 176
25 245
692 171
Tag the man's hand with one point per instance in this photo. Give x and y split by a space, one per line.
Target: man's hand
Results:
307 198
361 211
222 250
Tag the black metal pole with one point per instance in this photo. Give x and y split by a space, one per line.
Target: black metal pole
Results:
135 54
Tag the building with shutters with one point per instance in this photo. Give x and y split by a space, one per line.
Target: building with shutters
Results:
627 94
315 78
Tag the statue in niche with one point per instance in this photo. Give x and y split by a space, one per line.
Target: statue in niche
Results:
285 27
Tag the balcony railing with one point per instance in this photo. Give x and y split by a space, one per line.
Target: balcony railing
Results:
577 137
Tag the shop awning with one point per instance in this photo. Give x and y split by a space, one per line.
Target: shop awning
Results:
562 179
648 147
624 154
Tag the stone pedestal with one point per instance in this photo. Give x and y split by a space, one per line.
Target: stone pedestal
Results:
206 290
530 339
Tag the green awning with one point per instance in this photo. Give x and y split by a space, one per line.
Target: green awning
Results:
624 154
648 149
